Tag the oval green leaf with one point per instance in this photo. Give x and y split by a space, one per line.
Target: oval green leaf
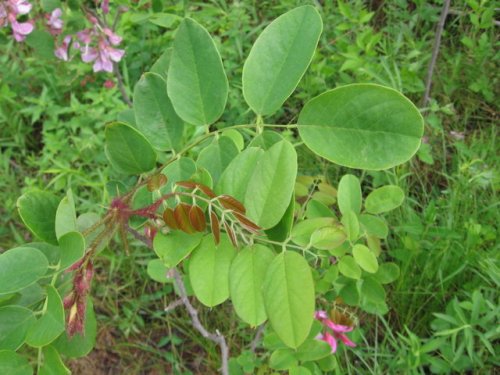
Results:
196 83
14 364
349 268
387 273
174 247
272 184
128 151
245 282
216 157
279 59
65 215
21 267
51 324
209 270
365 258
363 126
384 199
38 211
157 270
154 114
72 246
373 226
15 321
235 179
288 292
349 194
52 363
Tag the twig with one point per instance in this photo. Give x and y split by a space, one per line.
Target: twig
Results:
173 305
216 337
256 339
435 51
139 236
121 86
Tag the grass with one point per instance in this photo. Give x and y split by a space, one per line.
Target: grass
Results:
444 238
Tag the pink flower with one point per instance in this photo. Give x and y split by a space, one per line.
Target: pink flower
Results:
105 6
55 22
21 29
112 37
61 52
20 6
336 331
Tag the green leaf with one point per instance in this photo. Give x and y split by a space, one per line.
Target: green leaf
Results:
196 83
282 359
38 212
299 370
79 345
365 258
21 267
155 117
216 157
266 139
279 59
302 231
387 273
281 231
288 292
175 246
180 170
65 215
51 324
43 45
373 226
72 247
351 225
328 238
372 290
271 186
349 194
362 126
384 199
157 270
161 65
209 270
349 268
317 209
12 363
128 151
245 282
236 177
15 321
52 363
236 137
312 350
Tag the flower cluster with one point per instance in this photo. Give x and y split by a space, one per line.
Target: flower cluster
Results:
9 11
76 300
96 45
333 331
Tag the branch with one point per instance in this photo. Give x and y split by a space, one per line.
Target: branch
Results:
435 51
256 339
121 86
217 337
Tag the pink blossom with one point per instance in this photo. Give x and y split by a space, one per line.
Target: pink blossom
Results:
61 52
55 22
9 10
334 332
105 6
112 37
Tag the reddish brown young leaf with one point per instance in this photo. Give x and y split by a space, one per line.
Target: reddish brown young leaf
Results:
157 181
168 217
247 223
231 234
215 227
187 184
231 203
181 215
197 218
208 192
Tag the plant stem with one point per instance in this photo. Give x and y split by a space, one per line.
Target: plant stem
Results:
435 51
121 86
217 337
